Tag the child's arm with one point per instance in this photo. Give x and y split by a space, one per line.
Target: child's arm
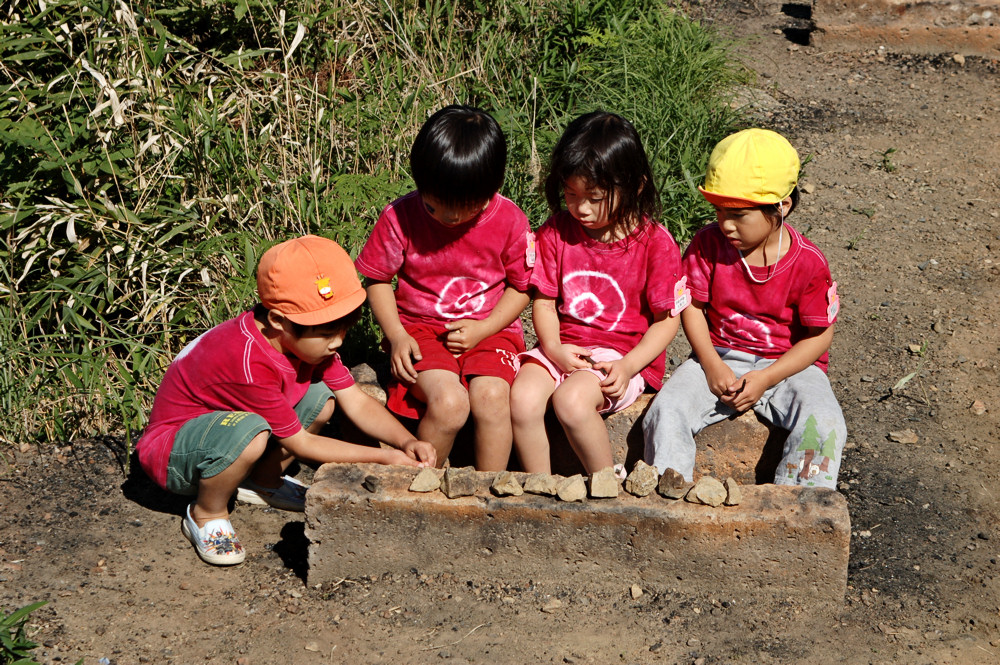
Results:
316 448
719 375
566 357
376 421
465 334
652 344
802 354
403 348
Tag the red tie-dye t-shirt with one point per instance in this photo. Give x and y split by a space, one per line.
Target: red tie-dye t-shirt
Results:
608 293
765 319
443 272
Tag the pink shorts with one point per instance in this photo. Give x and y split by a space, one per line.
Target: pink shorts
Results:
597 354
497 355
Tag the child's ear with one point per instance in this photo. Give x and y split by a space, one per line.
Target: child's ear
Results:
277 321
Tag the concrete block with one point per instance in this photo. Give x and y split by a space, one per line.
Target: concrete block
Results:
968 27
780 542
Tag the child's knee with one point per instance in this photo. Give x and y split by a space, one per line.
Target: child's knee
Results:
324 416
488 395
450 404
572 403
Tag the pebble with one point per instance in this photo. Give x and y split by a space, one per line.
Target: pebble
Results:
572 489
642 480
708 491
312 646
551 605
904 436
672 485
808 188
734 495
604 484
427 480
371 484
636 591
505 484
978 408
459 482
541 483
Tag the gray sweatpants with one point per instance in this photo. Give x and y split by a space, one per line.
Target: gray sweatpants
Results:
804 404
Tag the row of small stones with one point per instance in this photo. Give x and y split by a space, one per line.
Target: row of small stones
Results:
604 484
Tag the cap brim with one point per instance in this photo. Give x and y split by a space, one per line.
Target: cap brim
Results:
339 309
724 201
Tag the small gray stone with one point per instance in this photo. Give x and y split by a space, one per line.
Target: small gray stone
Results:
541 483
642 480
604 484
427 480
708 491
505 484
672 485
459 482
371 483
572 489
734 495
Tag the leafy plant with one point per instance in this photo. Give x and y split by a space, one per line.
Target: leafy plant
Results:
885 162
15 647
152 151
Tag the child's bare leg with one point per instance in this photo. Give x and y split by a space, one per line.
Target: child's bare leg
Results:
576 402
489 400
529 400
447 403
268 471
214 493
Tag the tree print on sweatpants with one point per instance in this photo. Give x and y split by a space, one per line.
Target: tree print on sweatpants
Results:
818 452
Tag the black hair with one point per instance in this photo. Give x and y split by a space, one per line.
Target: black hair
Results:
772 211
604 149
342 324
459 156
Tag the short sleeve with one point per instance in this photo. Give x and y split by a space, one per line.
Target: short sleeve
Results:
545 274
515 253
818 303
382 256
663 271
335 374
698 268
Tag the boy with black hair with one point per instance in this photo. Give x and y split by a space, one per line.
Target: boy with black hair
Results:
243 400
461 254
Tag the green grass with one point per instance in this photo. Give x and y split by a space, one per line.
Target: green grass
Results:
152 151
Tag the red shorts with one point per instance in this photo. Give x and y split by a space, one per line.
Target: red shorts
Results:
494 356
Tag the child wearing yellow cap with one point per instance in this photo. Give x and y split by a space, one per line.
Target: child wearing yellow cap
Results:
761 321
243 400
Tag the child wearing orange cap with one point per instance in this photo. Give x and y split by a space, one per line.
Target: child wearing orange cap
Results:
764 307
244 399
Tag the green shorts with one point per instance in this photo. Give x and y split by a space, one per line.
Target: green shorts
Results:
211 442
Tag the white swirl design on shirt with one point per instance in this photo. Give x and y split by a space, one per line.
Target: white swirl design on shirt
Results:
588 295
747 328
461 297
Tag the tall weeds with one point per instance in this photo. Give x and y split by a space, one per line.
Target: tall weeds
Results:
151 151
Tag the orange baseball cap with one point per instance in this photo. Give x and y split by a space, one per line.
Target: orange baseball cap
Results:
310 280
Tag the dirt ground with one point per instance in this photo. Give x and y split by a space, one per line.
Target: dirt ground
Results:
901 194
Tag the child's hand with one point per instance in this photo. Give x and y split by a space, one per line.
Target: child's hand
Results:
396 456
421 451
746 391
464 335
616 378
404 351
720 377
569 357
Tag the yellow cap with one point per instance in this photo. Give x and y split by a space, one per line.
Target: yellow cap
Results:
751 168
